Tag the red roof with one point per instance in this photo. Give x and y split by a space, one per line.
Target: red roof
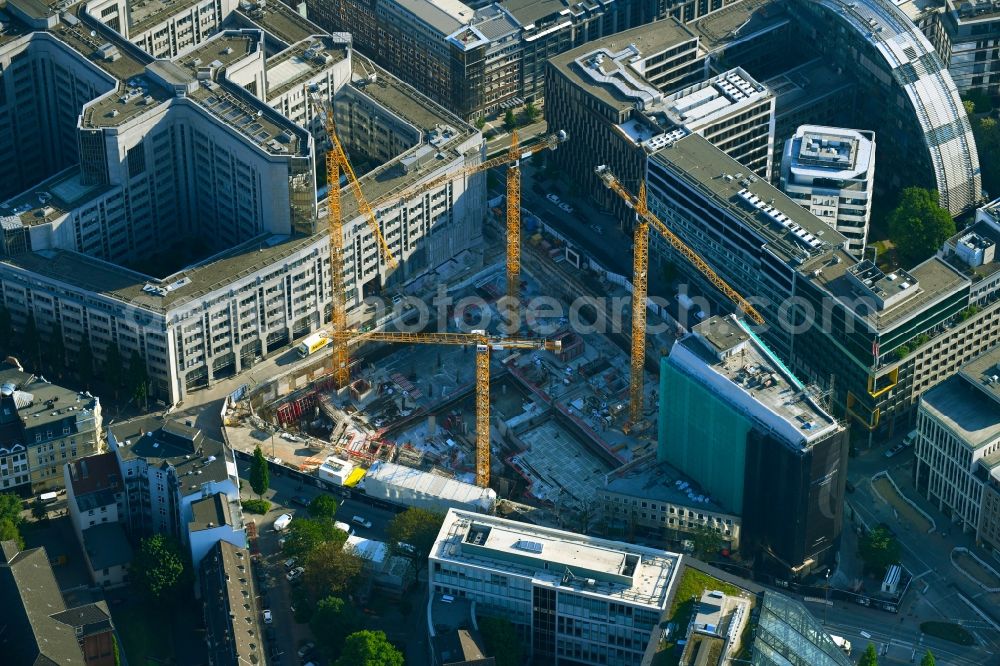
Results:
95 473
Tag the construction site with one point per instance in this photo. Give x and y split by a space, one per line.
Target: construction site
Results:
469 412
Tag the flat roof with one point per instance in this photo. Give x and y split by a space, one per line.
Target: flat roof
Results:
737 20
804 85
52 198
722 95
753 380
648 478
210 512
649 39
123 284
429 484
301 61
583 565
963 408
106 545
233 628
445 16
281 21
695 160
986 231
528 12
819 151
51 404
935 277
982 372
142 17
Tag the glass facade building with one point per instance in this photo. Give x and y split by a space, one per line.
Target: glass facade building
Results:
787 634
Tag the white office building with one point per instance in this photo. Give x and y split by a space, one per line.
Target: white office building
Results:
574 599
831 172
958 442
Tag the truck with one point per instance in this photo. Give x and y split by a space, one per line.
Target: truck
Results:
842 643
313 344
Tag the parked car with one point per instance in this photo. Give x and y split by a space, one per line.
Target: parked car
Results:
362 521
566 208
295 574
597 229
301 500
406 548
290 563
896 449
306 649
282 522
553 198
267 616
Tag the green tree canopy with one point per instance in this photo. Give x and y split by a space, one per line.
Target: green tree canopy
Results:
416 527
879 549
707 542
306 534
138 378
928 659
39 510
260 476
332 622
10 508
919 226
323 506
870 657
531 112
369 648
501 640
9 532
509 120
331 570
987 134
158 569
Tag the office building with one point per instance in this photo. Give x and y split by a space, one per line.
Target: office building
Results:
808 93
572 598
232 616
905 94
958 446
39 627
831 172
602 106
163 29
884 337
42 427
189 218
168 469
650 497
757 441
480 61
95 495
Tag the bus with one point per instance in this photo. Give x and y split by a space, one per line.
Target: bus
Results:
313 344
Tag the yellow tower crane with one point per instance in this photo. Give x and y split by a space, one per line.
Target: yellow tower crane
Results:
484 345
336 159
513 158
640 278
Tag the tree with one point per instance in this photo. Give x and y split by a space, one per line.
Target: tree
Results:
707 541
879 549
85 362
369 648
870 657
10 508
331 570
509 120
260 476
987 134
304 535
323 506
501 640
9 532
531 112
138 378
919 226
158 569
928 659
480 123
38 510
970 106
332 622
418 528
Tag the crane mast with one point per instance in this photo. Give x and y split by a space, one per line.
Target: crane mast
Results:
640 276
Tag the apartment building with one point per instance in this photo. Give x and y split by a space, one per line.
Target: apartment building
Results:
163 29
958 446
97 508
167 468
42 427
758 442
40 628
190 222
232 616
650 497
885 337
831 172
572 598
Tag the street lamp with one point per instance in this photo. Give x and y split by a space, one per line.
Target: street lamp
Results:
827 599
